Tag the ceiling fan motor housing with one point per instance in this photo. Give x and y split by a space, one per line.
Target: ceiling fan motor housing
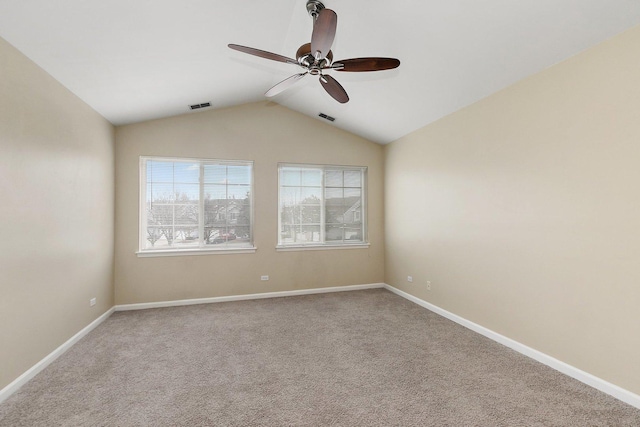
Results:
307 60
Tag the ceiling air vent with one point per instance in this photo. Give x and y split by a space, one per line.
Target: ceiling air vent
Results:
196 106
324 116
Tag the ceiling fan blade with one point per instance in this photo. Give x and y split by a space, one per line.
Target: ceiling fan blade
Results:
284 85
324 31
263 54
334 88
366 64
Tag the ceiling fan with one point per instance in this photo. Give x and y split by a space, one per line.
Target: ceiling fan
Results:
316 57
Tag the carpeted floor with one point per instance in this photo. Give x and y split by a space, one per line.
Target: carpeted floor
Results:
365 358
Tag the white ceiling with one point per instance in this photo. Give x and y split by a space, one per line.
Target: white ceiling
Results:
134 60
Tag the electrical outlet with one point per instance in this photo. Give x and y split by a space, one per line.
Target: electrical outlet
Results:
428 285
409 278
92 302
263 278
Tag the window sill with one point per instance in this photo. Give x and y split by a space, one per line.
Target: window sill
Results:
189 252
289 248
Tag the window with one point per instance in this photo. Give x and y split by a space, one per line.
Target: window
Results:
321 206
195 205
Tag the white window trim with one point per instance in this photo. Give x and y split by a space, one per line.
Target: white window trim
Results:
142 212
182 252
321 247
331 245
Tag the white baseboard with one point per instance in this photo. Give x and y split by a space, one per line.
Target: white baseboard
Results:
145 305
591 380
582 376
38 367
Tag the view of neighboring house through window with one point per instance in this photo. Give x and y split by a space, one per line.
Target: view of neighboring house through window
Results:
321 205
195 204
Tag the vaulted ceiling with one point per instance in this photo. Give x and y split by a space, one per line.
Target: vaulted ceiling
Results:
144 59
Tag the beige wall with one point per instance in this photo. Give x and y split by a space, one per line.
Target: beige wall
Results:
267 134
56 214
523 210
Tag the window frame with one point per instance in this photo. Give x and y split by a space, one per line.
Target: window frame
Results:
201 249
325 245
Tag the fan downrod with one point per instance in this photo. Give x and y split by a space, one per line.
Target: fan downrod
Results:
314 7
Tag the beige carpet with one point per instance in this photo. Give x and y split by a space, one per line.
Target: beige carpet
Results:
366 358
